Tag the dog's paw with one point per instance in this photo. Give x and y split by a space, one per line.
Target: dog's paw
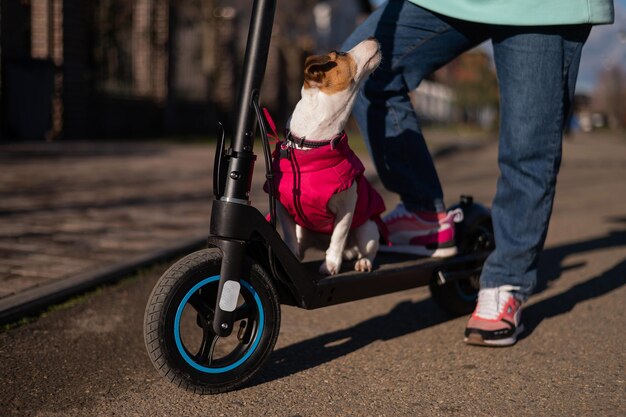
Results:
329 268
363 265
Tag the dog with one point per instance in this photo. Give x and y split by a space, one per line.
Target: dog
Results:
322 192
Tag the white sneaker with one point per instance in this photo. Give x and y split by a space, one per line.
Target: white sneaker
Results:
497 318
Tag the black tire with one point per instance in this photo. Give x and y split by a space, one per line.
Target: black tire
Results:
474 234
457 297
178 326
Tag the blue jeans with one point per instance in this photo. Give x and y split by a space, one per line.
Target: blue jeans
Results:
536 69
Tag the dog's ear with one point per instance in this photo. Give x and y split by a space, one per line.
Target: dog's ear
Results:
315 69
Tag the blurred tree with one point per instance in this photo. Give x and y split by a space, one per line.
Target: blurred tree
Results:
609 96
208 44
475 86
296 36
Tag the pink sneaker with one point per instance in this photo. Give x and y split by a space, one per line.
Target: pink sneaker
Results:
497 318
409 233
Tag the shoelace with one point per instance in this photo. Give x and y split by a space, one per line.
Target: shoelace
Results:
491 301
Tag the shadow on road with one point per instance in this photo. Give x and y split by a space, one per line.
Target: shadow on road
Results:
550 263
408 317
602 284
551 269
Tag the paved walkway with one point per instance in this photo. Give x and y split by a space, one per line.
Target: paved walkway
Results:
75 209
393 355
71 208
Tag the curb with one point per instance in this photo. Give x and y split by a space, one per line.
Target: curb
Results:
34 300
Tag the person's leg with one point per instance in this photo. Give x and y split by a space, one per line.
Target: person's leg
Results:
537 69
414 42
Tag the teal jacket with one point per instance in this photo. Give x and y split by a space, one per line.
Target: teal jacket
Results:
524 12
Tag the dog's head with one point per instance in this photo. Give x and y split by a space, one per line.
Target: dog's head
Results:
341 71
330 85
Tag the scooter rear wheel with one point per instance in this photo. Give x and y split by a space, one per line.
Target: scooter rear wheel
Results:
178 326
476 234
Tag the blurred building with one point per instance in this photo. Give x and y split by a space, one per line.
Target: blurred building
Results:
462 92
434 103
30 61
103 68
473 80
119 68
122 68
608 100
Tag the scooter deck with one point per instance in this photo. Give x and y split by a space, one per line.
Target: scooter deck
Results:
392 272
310 290
383 261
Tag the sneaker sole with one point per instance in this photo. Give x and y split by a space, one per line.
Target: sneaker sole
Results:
477 340
420 250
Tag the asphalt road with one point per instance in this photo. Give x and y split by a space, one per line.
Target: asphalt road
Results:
395 355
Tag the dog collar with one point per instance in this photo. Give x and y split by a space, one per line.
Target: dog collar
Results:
303 142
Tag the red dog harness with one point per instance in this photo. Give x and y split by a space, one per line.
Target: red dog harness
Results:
306 179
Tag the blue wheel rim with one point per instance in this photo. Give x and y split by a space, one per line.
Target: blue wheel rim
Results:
249 352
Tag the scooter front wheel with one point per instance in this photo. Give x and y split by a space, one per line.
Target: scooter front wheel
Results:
178 328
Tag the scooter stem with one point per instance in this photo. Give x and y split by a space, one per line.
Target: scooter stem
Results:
238 179
241 161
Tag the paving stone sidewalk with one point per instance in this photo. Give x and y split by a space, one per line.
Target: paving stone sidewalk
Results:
71 208
75 209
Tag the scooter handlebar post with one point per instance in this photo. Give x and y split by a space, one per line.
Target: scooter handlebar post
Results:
239 178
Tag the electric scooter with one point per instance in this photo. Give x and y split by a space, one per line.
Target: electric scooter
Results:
213 318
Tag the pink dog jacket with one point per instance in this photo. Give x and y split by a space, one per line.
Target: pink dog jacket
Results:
305 180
